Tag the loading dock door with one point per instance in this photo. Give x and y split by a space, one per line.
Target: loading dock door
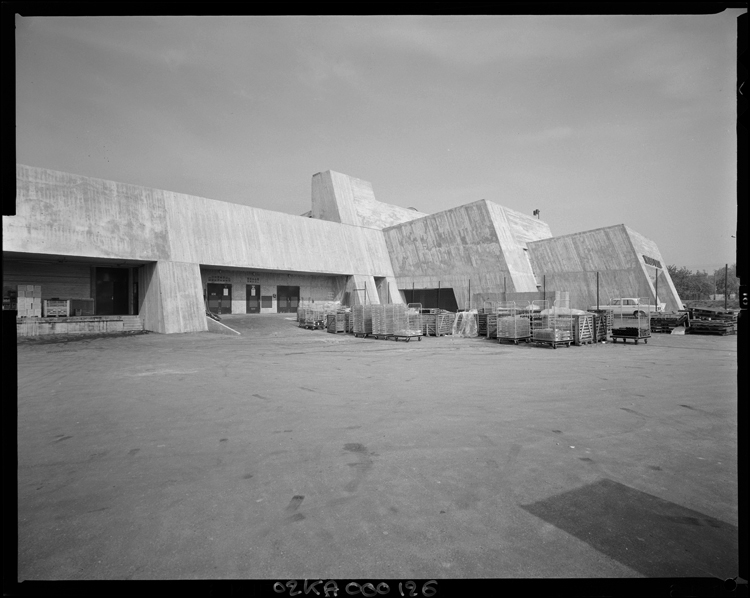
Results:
111 292
443 298
287 299
219 298
252 292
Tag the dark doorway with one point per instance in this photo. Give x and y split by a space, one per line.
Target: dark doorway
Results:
252 293
219 298
429 298
287 299
112 291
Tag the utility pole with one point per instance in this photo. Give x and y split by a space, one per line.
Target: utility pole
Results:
726 274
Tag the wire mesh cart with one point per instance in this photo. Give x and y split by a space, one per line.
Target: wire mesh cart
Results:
555 325
362 320
408 322
513 323
633 326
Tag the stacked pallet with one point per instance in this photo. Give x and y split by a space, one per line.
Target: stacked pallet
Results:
668 322
29 301
701 316
362 319
712 327
583 329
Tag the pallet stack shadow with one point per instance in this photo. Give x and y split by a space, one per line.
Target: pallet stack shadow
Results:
708 321
437 322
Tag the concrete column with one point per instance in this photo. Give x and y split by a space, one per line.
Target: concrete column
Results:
172 298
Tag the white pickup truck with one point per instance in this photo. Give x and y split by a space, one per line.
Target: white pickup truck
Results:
631 306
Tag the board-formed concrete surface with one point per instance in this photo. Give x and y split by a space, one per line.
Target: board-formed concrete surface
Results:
286 453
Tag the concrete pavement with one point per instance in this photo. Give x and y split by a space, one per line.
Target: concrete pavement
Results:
285 453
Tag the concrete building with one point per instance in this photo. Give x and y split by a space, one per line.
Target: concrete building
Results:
120 251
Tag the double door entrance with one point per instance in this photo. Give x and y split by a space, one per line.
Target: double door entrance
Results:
219 298
111 292
287 299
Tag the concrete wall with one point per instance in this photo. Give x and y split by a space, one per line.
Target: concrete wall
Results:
71 215
570 263
479 245
667 291
340 198
67 214
171 298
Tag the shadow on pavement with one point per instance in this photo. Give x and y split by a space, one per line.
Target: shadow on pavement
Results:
648 534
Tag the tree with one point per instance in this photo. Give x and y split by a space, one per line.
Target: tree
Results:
692 285
733 283
681 280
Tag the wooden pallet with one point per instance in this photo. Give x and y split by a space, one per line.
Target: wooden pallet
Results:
722 328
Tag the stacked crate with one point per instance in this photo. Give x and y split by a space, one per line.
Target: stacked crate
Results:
56 308
603 320
437 322
336 322
362 320
378 320
29 301
583 329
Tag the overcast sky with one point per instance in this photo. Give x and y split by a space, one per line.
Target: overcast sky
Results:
593 120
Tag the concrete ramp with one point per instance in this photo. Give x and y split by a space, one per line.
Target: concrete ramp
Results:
218 327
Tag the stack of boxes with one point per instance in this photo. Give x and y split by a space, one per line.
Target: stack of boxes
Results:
29 301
